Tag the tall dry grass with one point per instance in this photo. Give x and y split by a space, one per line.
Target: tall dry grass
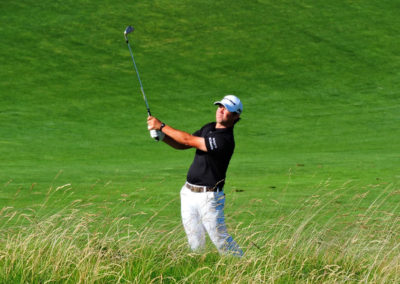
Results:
321 241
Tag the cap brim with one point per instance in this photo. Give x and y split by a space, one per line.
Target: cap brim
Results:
228 107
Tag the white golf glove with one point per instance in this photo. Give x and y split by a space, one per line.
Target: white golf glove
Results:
157 135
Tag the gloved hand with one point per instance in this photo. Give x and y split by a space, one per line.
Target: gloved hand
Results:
157 135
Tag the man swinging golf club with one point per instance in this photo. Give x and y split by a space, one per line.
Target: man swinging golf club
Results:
202 196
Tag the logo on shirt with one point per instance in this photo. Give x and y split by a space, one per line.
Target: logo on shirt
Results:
212 142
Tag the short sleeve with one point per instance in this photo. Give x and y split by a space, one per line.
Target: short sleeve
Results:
216 142
197 133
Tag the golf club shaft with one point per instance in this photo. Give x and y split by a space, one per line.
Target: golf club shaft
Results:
140 81
153 133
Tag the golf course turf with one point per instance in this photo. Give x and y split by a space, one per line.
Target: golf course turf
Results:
318 142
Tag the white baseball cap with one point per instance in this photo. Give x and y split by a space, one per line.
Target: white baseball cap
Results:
231 103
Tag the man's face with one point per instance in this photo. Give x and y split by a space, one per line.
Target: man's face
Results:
225 117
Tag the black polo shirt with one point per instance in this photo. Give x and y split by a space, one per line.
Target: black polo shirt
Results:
209 168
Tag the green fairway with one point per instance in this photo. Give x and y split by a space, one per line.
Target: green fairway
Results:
319 82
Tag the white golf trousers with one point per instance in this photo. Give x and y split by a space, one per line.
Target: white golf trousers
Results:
204 212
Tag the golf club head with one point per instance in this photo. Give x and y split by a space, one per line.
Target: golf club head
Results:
128 30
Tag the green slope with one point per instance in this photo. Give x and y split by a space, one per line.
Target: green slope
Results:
319 82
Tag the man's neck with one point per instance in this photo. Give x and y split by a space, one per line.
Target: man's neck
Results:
222 126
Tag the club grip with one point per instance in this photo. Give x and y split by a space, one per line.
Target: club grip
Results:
154 135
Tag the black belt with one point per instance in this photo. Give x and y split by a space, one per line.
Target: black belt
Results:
198 188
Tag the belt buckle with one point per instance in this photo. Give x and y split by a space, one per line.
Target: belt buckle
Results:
204 189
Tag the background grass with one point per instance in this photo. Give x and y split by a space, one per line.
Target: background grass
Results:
319 82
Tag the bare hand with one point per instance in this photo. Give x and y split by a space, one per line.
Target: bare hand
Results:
153 123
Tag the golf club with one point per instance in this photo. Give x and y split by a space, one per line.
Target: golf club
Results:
129 29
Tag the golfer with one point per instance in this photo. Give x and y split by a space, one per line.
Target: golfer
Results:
202 196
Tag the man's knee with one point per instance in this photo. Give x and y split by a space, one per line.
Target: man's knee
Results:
196 242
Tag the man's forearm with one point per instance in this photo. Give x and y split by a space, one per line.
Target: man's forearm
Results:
171 142
177 136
